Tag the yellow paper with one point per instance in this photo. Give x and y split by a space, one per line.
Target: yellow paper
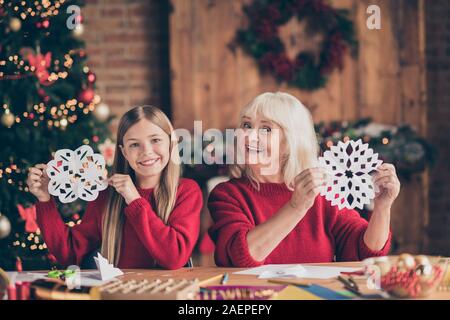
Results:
295 293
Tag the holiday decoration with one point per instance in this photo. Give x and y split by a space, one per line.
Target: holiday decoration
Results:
108 149
77 174
261 40
86 96
102 112
15 24
91 77
349 166
29 216
5 226
78 31
47 102
400 146
41 63
44 24
7 118
406 276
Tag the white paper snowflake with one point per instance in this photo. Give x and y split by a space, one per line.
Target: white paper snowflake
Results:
349 166
77 174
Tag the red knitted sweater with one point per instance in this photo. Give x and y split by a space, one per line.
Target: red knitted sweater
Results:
325 233
146 241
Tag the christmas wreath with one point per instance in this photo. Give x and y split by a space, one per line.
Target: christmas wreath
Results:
261 40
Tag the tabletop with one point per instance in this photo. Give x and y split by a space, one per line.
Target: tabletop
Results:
203 273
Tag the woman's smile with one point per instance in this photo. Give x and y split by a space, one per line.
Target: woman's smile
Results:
254 149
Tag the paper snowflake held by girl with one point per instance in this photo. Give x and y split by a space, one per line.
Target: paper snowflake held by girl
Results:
349 166
77 174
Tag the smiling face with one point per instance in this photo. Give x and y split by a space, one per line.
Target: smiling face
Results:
295 149
146 147
262 145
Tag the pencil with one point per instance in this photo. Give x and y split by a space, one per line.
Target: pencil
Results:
211 280
224 279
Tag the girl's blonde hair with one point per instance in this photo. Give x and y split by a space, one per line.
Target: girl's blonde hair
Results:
297 125
165 192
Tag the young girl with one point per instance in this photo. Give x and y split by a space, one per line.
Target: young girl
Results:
278 217
148 217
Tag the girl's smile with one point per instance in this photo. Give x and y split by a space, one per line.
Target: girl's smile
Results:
148 162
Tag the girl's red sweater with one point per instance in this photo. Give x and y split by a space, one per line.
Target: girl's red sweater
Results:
147 242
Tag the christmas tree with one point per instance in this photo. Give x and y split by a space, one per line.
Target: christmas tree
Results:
47 102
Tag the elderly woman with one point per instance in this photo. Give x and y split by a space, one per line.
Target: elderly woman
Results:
270 214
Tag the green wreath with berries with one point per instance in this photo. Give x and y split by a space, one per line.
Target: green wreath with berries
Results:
261 40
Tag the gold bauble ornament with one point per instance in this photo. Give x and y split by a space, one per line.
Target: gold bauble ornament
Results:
78 31
8 119
5 226
15 24
101 112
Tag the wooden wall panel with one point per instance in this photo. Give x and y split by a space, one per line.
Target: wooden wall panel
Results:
211 82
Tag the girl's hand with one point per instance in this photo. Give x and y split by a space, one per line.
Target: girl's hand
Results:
307 186
387 181
125 186
37 182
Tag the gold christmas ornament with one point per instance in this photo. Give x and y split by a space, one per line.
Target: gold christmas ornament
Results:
101 112
7 119
15 24
5 226
78 31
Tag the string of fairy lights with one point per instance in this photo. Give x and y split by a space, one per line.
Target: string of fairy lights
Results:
55 116
27 63
34 239
43 8
366 139
20 65
62 116
23 69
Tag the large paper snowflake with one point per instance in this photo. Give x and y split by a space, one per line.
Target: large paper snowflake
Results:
77 174
349 166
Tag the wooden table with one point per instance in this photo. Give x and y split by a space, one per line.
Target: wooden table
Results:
203 273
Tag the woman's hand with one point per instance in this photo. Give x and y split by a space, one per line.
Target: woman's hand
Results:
307 186
377 233
387 181
125 186
37 182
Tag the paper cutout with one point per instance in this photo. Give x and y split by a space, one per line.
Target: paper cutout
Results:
310 271
283 272
107 270
77 174
349 165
